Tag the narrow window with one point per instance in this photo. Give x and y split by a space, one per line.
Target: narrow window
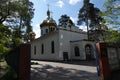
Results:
42 49
76 49
34 50
52 47
41 32
46 31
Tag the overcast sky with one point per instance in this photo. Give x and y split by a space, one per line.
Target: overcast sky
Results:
58 8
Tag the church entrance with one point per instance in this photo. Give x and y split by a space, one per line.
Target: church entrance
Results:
88 51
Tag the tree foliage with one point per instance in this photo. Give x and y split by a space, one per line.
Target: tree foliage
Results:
65 21
90 15
15 23
112 36
4 39
112 13
17 14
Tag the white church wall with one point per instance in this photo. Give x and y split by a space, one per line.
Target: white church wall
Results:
80 46
46 41
33 55
64 41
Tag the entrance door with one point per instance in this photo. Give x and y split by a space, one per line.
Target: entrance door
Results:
88 51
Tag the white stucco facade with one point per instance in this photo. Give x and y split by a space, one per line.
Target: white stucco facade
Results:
64 41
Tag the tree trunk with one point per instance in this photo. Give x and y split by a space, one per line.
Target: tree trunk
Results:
87 27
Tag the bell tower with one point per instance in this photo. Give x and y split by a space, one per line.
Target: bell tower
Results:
48 25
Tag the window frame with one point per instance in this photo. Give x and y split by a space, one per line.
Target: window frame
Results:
35 50
42 48
77 51
52 47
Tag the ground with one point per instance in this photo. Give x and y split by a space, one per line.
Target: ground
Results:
77 70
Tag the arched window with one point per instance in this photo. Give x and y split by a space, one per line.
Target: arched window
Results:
46 31
42 49
52 47
76 50
53 29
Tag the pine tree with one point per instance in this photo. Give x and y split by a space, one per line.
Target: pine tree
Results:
65 21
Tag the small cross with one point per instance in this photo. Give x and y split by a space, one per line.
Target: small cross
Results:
48 6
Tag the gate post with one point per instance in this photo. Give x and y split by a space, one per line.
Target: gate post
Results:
24 62
103 61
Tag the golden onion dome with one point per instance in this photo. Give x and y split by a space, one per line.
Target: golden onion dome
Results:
49 21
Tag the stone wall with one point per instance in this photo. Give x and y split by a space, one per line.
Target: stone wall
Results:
113 55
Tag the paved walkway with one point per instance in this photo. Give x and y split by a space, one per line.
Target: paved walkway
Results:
63 71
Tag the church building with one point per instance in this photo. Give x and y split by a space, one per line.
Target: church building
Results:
60 43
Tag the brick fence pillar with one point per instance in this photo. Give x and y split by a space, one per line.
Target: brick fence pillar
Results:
24 65
103 61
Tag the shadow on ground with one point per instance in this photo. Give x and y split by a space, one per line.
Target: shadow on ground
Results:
48 72
85 63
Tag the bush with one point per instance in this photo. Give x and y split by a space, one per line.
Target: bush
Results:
10 74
